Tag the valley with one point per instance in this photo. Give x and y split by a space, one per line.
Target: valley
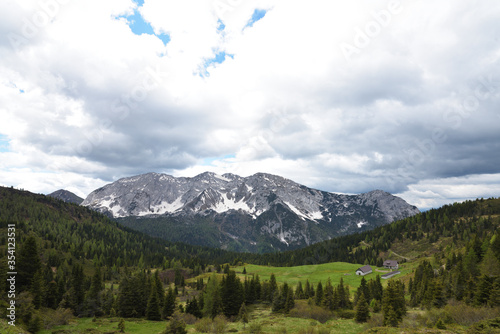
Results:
93 275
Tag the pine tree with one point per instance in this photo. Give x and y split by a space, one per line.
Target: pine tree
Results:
319 294
153 307
96 286
362 310
328 296
243 315
28 263
393 303
232 294
490 265
483 290
273 287
192 307
169 306
212 298
38 289
439 299
299 291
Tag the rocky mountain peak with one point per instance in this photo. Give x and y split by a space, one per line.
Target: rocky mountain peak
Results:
266 200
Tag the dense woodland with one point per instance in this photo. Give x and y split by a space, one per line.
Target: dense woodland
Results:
72 261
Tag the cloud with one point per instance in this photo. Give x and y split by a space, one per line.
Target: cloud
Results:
244 87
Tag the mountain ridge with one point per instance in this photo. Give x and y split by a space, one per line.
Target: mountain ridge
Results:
260 204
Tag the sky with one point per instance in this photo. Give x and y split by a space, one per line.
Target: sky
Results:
345 97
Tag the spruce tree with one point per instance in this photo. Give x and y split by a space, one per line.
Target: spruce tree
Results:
299 291
212 298
362 310
38 289
243 315
28 263
319 294
232 294
169 306
153 307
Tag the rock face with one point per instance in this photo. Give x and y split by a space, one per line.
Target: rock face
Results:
66 196
261 212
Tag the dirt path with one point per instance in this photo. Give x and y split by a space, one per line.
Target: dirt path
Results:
404 257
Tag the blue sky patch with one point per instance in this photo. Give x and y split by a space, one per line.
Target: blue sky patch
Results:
219 58
257 15
139 26
4 144
210 161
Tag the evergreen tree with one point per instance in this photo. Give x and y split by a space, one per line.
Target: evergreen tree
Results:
38 289
490 265
243 315
393 303
212 298
362 310
153 307
273 287
232 294
169 306
299 291
483 290
319 294
27 264
328 296
96 287
192 307
439 299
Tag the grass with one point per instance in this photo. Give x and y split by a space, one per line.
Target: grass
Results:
270 323
316 273
109 325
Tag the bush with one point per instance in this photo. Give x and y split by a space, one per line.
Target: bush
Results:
176 325
346 314
486 326
204 325
466 315
314 330
254 328
219 324
59 317
376 320
306 311
188 318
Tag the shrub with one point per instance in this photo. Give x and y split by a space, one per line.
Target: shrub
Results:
307 311
254 328
485 326
376 320
346 314
188 318
204 325
219 324
176 325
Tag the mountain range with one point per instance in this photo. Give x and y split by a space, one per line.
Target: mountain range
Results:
258 213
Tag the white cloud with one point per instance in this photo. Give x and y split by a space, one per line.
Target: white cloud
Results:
84 100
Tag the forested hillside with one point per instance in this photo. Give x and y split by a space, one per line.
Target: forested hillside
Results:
437 230
72 261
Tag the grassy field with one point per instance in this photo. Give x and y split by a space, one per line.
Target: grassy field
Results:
317 273
269 323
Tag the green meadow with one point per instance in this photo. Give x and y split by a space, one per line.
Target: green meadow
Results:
317 273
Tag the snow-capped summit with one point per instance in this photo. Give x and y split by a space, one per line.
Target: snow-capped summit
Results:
293 213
